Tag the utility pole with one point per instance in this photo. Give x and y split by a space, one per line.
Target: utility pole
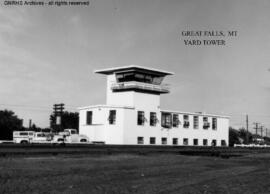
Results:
247 136
266 132
261 131
256 127
58 112
30 123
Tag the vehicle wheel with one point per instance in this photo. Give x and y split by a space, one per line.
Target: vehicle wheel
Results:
24 142
83 140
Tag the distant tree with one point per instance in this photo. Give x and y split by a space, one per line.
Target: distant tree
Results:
267 140
9 122
69 120
243 134
35 128
233 136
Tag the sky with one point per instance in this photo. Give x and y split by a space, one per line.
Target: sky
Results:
48 55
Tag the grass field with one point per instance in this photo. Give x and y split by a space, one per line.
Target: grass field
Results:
133 173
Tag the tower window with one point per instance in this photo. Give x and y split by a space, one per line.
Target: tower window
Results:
139 77
89 117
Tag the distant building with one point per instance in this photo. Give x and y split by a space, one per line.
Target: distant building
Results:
132 114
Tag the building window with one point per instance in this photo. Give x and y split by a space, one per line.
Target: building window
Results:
140 120
166 120
186 121
153 119
223 143
140 140
195 122
195 142
214 123
185 141
163 140
175 141
214 142
206 124
205 142
139 77
112 117
175 120
152 140
89 117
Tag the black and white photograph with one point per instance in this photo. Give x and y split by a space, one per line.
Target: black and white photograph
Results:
135 96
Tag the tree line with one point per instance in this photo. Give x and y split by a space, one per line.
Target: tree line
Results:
242 136
10 122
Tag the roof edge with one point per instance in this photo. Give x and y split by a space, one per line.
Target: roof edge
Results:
196 113
108 71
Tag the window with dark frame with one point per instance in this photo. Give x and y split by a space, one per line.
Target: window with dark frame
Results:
214 142
206 124
112 117
175 141
205 142
152 140
223 143
195 142
214 123
140 119
186 121
153 119
164 141
89 117
166 120
140 140
185 141
139 77
195 122
175 120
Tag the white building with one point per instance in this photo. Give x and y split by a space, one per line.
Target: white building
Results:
132 114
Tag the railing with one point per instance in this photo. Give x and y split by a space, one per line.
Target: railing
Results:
163 88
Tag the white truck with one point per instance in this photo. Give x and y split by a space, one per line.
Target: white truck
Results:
23 137
70 136
67 136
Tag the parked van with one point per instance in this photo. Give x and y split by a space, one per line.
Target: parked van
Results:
23 137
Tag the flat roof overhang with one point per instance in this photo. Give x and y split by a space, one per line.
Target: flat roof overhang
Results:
134 68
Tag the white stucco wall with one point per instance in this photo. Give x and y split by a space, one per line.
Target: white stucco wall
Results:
132 130
126 130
